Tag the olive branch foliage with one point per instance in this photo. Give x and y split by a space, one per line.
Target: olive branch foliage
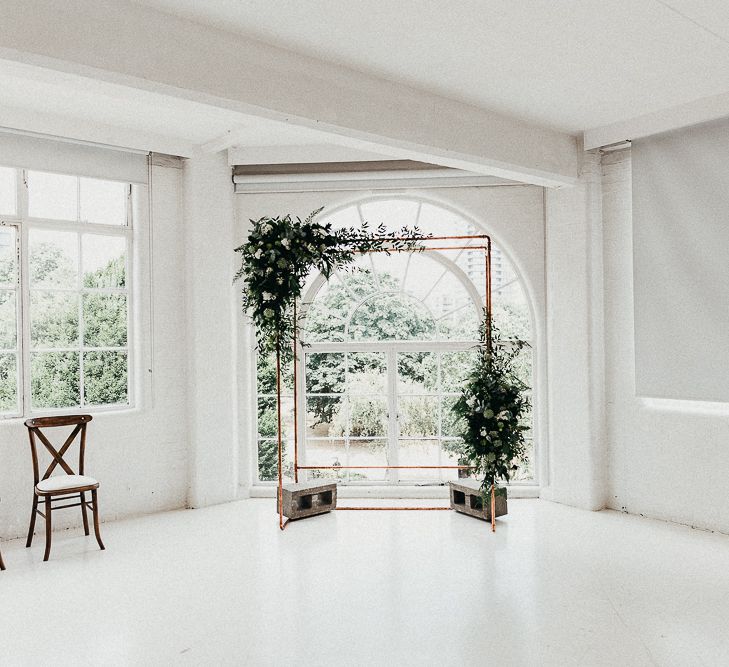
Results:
281 251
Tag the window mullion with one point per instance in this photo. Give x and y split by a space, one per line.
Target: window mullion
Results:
81 324
25 311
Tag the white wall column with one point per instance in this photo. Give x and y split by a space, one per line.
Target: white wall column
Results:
211 328
575 340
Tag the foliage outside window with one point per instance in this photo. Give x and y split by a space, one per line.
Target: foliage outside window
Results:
385 301
64 292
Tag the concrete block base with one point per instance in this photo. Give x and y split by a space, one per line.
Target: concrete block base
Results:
466 498
308 499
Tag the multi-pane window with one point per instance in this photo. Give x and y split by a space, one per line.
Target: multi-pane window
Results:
387 345
65 246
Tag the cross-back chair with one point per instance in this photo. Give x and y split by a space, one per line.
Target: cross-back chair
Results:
2 565
54 489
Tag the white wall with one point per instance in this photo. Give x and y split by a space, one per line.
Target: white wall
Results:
139 455
211 329
577 470
667 459
513 215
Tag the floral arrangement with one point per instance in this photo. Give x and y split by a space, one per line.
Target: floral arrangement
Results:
492 407
281 251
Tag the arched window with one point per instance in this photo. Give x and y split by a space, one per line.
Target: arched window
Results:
386 345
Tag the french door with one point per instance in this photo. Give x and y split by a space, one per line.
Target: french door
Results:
366 405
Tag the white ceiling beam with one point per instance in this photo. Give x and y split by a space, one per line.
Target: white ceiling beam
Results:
691 113
302 154
136 46
55 125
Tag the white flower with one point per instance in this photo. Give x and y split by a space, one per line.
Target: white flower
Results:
257 254
285 243
268 313
503 415
267 296
471 401
484 432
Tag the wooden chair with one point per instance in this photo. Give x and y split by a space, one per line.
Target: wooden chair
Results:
2 565
60 488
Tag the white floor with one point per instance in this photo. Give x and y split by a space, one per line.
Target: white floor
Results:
223 586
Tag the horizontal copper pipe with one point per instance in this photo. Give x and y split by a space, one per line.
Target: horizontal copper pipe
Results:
425 249
384 467
388 509
462 237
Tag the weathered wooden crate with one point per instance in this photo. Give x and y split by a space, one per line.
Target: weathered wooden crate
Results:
466 497
308 499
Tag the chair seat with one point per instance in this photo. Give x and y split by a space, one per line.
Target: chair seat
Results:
64 483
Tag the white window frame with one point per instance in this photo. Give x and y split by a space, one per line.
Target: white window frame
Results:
23 223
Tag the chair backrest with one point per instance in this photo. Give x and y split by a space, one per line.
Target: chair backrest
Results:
35 425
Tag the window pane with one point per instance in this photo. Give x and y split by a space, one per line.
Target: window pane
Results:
8 322
418 415
451 423
366 372
417 372
391 316
419 453
268 417
105 320
53 319
52 196
8 254
367 416
326 453
105 378
372 452
7 191
455 368
103 202
53 259
268 460
325 373
54 379
326 416
8 383
103 261
266 374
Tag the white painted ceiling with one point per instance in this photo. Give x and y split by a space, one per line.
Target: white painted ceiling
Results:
567 64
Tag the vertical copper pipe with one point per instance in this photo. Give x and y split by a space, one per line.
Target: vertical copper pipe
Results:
487 257
296 403
280 443
493 506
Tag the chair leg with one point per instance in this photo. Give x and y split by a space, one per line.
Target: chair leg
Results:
2 565
95 501
48 528
82 496
31 530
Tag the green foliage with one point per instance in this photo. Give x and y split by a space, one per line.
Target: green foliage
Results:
492 407
54 379
8 382
55 376
388 319
279 254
